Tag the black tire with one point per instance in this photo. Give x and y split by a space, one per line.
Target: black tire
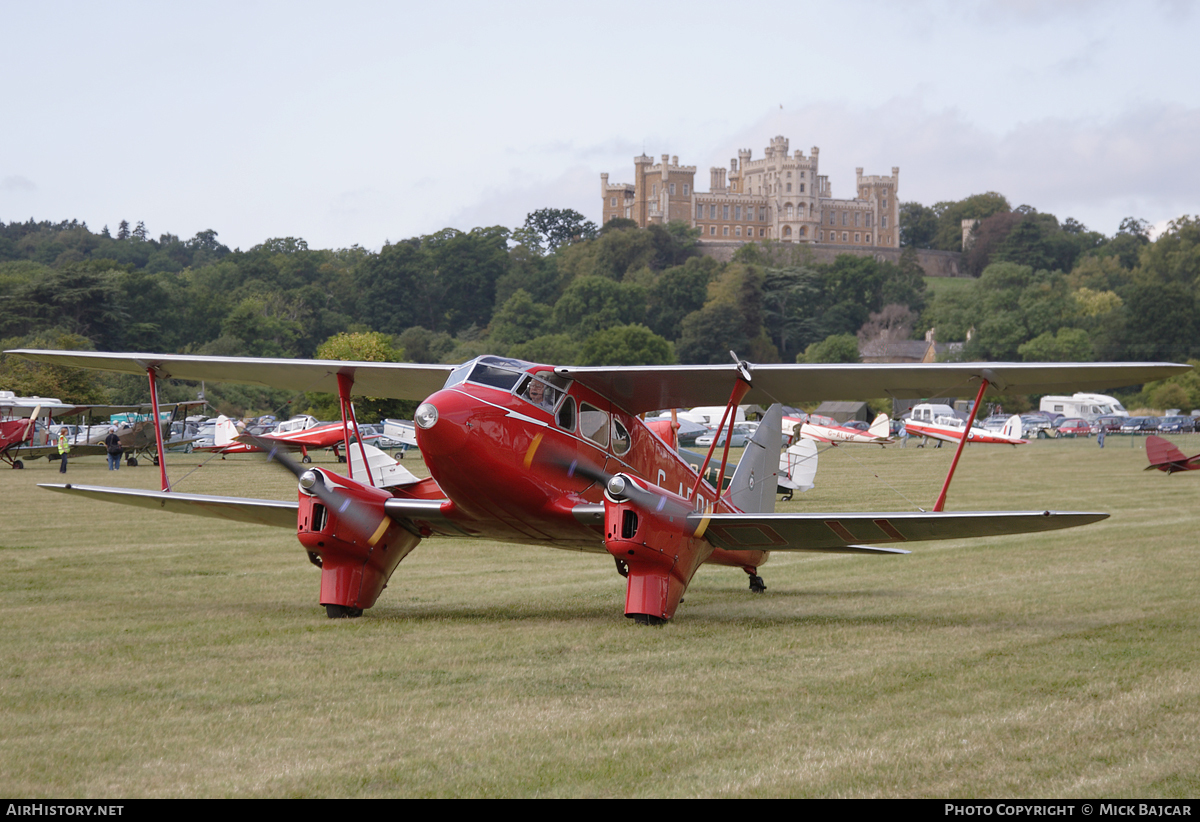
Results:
342 612
306 460
18 464
131 462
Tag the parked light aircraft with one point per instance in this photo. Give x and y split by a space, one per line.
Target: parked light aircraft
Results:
939 422
826 429
300 433
1166 457
558 456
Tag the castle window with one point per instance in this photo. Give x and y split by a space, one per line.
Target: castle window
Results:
845 237
883 223
868 222
822 237
749 212
789 188
868 239
789 210
737 212
699 211
738 231
802 188
803 232
655 189
789 175
612 203
685 189
832 216
857 237
712 230
857 218
885 202
725 212
672 189
712 211
725 230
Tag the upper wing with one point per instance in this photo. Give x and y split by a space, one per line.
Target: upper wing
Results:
647 388
643 388
402 381
849 532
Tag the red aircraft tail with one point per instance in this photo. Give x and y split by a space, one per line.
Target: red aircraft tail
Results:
1164 456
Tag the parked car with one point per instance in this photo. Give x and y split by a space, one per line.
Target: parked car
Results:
1111 423
1139 425
1036 425
740 436
1177 425
1073 427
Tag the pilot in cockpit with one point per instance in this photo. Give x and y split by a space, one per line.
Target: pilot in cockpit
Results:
541 395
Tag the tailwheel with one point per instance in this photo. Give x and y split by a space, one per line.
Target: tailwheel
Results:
647 619
757 586
342 612
787 497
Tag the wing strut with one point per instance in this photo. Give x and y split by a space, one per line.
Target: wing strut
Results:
345 383
152 373
941 500
740 389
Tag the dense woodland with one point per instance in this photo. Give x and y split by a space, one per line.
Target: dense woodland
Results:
558 289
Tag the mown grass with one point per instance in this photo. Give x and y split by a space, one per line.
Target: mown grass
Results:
158 655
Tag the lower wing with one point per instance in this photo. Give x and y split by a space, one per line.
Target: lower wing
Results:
855 533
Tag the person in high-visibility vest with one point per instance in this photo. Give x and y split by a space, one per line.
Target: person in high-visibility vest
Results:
64 446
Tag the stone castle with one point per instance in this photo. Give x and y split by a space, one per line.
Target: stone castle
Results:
780 197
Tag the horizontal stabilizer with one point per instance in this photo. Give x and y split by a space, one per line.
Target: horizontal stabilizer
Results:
842 532
257 511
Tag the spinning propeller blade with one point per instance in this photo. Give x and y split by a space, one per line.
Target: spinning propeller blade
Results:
355 513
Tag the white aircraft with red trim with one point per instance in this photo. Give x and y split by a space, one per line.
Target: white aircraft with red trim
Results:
300 433
559 456
939 422
820 428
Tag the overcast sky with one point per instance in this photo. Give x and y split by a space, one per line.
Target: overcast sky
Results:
361 122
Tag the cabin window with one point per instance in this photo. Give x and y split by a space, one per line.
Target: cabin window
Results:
620 438
497 372
566 415
593 424
538 393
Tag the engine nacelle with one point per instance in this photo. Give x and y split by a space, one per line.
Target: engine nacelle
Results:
358 546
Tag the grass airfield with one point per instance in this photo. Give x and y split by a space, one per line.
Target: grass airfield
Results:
152 655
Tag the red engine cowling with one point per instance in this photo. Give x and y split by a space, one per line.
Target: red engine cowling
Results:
359 546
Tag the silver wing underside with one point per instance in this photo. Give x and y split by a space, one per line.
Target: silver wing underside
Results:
850 533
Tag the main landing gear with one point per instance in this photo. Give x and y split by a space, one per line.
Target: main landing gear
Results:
342 612
757 586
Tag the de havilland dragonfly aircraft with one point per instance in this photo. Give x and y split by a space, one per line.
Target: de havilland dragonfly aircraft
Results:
559 456
300 433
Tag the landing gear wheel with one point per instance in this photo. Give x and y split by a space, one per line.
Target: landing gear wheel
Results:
187 449
131 462
342 612
18 464
647 619
757 586
306 460
787 497
156 461
341 458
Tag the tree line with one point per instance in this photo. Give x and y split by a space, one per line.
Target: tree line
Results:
558 289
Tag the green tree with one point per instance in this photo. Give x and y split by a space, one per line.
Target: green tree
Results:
370 346
626 345
591 304
836 348
555 227
918 225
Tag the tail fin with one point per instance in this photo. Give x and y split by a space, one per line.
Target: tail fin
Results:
1012 428
881 427
225 432
752 488
798 466
383 472
1161 452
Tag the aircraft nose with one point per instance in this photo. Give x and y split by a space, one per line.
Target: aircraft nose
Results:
443 423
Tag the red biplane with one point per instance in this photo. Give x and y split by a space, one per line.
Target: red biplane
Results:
1166 457
559 456
297 434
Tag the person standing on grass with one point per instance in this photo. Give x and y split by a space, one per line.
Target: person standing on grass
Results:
64 446
112 444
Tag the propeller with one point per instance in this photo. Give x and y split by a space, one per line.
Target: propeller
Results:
349 510
621 487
